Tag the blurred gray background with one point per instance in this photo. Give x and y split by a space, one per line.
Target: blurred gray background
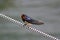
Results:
46 10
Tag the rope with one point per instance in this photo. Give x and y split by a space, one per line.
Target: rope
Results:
17 22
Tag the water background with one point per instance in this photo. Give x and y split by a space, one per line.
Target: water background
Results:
46 10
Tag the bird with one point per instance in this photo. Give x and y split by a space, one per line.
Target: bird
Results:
29 20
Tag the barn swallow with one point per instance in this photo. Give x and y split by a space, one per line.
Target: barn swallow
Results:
28 20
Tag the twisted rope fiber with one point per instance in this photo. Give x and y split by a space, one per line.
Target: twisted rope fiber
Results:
17 22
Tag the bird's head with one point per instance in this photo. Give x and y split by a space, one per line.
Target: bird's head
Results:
23 16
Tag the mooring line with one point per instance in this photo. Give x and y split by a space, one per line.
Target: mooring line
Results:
17 22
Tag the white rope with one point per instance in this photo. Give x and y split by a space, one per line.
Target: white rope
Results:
17 22
43 33
10 19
